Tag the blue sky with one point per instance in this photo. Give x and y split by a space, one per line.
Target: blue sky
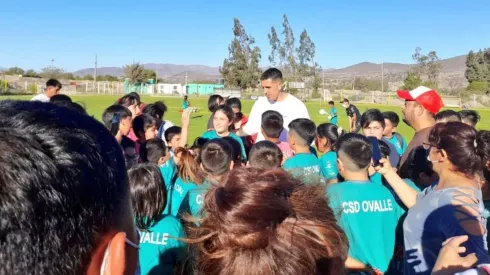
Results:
198 32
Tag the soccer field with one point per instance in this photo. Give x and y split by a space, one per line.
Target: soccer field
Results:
95 106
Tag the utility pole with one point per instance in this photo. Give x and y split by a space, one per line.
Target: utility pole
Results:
382 77
52 63
95 70
185 78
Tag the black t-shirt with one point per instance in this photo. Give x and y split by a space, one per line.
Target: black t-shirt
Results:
351 110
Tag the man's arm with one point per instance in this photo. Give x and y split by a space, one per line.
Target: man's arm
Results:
254 120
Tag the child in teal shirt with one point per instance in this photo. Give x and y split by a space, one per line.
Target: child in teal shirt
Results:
216 161
222 121
367 212
189 177
333 113
160 250
326 137
390 134
304 164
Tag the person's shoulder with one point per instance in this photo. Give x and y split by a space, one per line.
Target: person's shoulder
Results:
40 97
209 133
294 100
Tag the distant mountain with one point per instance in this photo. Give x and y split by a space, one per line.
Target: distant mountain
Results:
454 64
173 72
166 71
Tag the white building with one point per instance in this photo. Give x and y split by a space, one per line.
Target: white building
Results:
170 89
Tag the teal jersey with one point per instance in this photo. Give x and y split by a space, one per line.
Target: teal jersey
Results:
185 105
328 165
179 191
160 250
369 214
212 135
169 174
333 114
376 178
399 143
303 165
194 200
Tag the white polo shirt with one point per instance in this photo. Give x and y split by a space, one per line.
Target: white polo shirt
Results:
290 108
40 97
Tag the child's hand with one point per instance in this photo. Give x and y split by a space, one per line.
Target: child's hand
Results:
384 167
238 125
186 117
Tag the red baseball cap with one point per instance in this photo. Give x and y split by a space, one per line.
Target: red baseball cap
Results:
424 96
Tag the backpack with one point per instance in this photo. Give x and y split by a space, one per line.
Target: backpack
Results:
399 138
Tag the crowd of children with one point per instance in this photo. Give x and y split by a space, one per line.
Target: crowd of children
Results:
224 205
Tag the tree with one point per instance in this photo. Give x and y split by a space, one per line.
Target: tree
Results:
14 71
275 55
89 77
31 73
51 72
287 50
425 65
149 74
306 55
412 81
478 66
135 73
241 68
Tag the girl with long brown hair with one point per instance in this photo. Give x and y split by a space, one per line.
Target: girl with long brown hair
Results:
265 222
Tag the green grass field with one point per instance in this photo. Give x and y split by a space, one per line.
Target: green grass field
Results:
95 106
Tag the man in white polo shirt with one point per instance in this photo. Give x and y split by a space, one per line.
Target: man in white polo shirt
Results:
53 87
275 99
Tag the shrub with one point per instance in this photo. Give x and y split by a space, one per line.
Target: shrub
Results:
478 86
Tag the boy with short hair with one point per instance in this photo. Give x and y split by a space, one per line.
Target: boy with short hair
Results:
373 124
333 113
391 123
304 163
172 137
265 154
359 202
271 129
154 151
130 153
447 116
470 117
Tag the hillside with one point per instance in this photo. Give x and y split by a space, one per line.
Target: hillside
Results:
451 65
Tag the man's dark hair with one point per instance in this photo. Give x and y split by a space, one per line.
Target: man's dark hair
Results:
234 102
60 98
152 150
372 115
447 116
393 117
156 110
214 102
171 132
357 149
470 115
331 102
265 154
113 115
54 83
142 123
66 189
305 129
272 124
272 74
345 101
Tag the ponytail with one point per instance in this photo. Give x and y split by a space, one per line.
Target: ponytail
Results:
331 132
188 167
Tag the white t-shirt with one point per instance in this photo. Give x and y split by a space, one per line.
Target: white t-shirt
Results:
41 97
290 108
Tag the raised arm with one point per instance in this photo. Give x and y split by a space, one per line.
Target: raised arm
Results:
253 125
407 194
186 118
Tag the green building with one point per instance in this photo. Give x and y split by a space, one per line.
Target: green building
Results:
202 89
